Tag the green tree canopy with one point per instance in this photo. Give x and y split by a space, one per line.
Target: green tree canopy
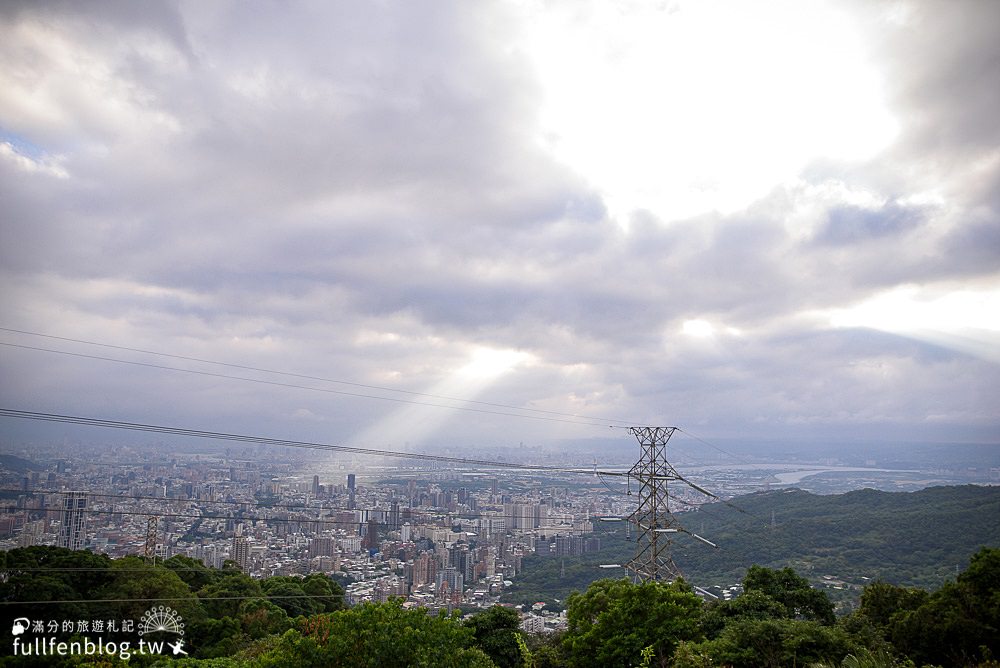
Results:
375 635
329 591
194 573
791 590
959 624
222 597
614 620
767 643
495 631
47 573
135 585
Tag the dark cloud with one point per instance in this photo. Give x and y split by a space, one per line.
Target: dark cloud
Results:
855 224
944 62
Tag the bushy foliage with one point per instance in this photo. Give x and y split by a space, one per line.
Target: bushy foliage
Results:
614 621
792 592
495 631
373 635
780 620
224 610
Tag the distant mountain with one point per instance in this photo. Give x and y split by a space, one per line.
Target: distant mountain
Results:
908 538
18 464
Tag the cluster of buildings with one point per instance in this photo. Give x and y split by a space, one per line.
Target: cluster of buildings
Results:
435 538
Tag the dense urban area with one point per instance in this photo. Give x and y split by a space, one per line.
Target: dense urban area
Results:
440 538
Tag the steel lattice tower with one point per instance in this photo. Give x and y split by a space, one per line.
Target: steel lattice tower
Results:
652 518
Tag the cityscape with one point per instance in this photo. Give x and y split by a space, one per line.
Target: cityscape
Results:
439 537
501 334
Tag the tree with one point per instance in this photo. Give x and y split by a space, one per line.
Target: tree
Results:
376 634
329 591
614 621
223 596
259 618
193 572
767 643
46 573
496 632
880 601
287 593
211 637
791 590
959 623
751 605
136 585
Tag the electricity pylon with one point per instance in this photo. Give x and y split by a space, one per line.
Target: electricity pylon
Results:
653 520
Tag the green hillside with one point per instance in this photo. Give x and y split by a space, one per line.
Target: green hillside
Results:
908 538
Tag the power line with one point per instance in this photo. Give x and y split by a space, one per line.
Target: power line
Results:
261 440
712 445
178 431
696 438
540 411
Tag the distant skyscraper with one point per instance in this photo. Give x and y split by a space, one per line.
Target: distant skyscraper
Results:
370 541
350 491
315 486
523 515
73 531
240 549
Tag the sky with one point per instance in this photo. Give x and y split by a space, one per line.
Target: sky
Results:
775 220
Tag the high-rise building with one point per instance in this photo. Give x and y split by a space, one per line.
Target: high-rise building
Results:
524 515
32 534
451 579
325 547
240 549
350 491
73 531
240 552
315 485
370 541
424 569
394 516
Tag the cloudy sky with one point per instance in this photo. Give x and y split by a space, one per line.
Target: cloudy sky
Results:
753 220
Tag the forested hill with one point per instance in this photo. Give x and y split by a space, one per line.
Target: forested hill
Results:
909 538
912 538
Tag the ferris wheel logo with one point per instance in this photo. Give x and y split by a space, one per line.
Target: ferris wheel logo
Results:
161 618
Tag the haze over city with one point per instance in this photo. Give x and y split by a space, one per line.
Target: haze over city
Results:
767 221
